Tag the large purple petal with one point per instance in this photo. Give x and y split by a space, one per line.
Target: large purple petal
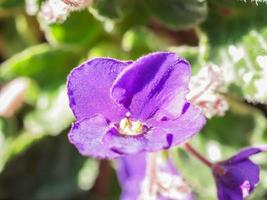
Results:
89 85
156 82
87 135
181 129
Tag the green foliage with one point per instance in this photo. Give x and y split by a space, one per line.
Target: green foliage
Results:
47 170
40 63
111 9
10 4
238 44
81 29
178 14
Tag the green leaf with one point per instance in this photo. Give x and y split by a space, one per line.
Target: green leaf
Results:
228 21
46 65
79 30
177 14
10 4
107 49
52 113
139 41
47 170
10 38
111 9
238 44
12 146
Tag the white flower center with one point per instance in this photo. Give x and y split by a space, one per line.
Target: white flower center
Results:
130 127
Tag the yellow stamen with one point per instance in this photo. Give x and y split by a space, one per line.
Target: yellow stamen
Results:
129 127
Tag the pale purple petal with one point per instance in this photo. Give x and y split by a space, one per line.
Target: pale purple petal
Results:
181 129
247 152
124 145
154 83
153 140
87 135
88 88
158 139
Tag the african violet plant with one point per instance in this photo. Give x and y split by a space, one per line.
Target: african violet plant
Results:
167 102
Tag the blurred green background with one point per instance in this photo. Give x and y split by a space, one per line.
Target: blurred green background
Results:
37 161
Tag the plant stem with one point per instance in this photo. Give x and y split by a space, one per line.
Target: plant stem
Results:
195 153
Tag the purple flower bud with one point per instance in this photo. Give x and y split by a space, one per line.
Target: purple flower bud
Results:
237 177
125 108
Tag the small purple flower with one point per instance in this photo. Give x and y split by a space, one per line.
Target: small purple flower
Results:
237 177
124 108
143 178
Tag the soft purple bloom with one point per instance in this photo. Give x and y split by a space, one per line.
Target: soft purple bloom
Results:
142 179
124 108
237 177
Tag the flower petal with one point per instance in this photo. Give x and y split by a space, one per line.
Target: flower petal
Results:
87 136
239 173
158 81
225 193
158 139
153 140
181 129
131 171
89 85
124 145
239 180
246 153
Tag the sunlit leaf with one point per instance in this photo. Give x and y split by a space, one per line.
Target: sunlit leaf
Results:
240 49
177 14
111 9
79 30
48 66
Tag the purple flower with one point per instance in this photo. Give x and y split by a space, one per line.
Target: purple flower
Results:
237 177
124 108
150 177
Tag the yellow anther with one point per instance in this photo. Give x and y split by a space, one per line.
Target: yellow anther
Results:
129 127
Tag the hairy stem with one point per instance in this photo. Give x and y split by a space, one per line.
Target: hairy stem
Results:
196 154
